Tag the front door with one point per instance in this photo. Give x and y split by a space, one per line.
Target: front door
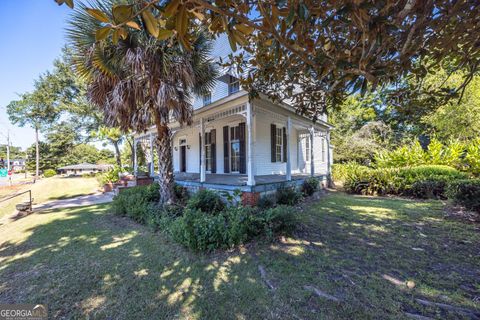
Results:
183 159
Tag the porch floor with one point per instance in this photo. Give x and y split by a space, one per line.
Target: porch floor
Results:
236 179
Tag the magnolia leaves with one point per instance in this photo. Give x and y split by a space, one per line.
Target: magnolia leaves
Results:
67 2
175 18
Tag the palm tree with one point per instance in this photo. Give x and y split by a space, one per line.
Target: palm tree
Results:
141 81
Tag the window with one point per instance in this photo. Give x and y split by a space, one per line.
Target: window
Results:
207 98
235 149
307 149
279 145
233 85
208 151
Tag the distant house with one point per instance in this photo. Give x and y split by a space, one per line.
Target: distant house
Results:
15 164
84 168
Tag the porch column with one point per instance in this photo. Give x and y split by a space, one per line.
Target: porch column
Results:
289 156
251 178
135 166
312 162
329 160
202 151
152 158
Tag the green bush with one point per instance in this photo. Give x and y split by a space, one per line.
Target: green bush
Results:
200 231
49 173
207 201
310 185
432 188
160 217
464 156
136 202
288 195
465 192
205 224
279 220
110 176
341 171
397 181
266 202
181 193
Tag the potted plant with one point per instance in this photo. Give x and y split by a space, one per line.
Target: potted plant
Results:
108 179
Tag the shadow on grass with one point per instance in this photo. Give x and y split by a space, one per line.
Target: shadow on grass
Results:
70 196
85 261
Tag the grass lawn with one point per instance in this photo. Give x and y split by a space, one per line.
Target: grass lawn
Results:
87 262
49 189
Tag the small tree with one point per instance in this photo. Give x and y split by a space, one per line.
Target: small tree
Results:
36 109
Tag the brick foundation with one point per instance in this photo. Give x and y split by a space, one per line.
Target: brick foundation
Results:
144 181
250 198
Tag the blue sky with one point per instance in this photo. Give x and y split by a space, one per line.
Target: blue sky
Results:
32 33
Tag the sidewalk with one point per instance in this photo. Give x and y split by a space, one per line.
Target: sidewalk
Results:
87 200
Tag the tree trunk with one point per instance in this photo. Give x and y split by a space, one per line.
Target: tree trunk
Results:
37 154
117 153
132 150
165 164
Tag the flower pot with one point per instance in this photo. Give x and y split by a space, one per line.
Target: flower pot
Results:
108 187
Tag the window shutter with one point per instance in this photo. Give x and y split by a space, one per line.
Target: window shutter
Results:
200 152
284 143
213 143
226 163
273 133
243 162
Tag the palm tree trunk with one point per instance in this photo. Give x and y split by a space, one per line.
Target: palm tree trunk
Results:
165 164
117 153
132 152
37 154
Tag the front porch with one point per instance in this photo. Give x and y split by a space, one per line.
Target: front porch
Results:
230 182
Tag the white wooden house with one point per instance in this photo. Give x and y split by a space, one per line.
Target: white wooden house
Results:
234 143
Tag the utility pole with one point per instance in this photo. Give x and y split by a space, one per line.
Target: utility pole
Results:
8 150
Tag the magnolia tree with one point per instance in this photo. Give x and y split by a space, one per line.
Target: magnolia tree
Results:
314 53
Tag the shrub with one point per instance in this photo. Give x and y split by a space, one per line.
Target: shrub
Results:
49 173
310 185
279 220
432 188
110 176
136 202
266 202
398 181
288 195
181 193
465 192
160 217
200 231
206 201
341 171
463 156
